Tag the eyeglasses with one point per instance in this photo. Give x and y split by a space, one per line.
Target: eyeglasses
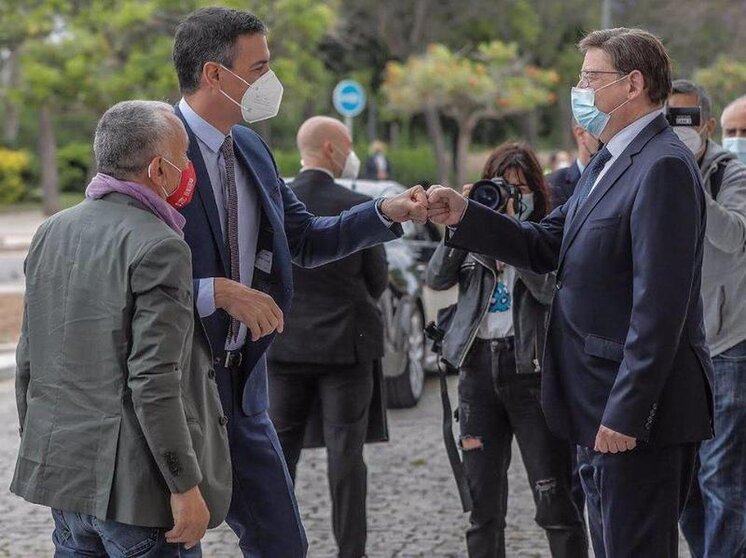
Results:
589 76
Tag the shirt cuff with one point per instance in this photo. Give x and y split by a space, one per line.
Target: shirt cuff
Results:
206 297
385 220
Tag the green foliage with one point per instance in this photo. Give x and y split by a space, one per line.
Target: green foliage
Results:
73 163
725 81
13 167
413 165
288 162
493 82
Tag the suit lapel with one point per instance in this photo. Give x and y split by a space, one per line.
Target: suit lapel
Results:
268 207
205 193
612 176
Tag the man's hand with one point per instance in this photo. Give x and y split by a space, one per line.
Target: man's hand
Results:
255 309
445 206
191 517
407 206
608 441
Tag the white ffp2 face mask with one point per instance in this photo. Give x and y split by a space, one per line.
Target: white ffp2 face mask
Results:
690 137
351 167
261 100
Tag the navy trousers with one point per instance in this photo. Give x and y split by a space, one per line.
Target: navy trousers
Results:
634 499
263 511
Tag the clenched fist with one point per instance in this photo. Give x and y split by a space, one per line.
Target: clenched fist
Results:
407 206
445 206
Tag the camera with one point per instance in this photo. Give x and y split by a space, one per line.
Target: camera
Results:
435 334
495 193
684 116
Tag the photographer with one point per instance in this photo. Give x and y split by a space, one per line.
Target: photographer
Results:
714 520
496 338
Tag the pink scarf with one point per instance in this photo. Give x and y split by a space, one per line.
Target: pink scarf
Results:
103 184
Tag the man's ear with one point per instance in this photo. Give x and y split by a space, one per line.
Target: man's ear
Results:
637 84
211 74
710 127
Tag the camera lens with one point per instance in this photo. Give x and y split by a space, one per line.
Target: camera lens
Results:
487 193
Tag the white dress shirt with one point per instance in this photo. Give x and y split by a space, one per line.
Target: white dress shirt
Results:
622 139
210 139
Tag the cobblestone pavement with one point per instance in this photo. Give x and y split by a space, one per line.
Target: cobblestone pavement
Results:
413 510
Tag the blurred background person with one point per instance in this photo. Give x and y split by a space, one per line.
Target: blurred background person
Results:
562 181
121 428
378 165
333 337
496 340
559 159
733 123
714 520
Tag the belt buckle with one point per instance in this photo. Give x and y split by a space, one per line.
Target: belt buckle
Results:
233 359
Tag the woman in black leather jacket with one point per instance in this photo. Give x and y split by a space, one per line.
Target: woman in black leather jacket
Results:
495 338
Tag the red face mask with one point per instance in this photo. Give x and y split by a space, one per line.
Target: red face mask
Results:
184 192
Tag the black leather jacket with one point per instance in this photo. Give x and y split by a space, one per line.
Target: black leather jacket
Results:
476 277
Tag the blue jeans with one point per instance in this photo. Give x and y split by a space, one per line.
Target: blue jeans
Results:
77 534
714 521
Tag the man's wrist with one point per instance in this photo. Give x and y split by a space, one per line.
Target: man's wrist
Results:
221 285
380 207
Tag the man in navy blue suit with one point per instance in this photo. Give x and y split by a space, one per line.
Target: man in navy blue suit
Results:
245 227
627 374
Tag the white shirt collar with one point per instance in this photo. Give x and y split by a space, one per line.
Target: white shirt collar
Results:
325 171
206 132
581 166
625 136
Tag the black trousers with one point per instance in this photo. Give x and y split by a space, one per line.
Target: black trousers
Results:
635 498
345 393
495 404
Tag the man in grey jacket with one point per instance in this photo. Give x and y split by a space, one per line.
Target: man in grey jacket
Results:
714 521
122 432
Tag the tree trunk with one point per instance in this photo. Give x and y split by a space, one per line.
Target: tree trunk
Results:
48 158
12 120
463 142
437 139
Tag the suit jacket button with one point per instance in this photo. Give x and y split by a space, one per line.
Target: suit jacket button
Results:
211 374
216 360
223 421
558 286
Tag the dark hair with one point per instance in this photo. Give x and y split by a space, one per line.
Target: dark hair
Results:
635 49
209 35
686 87
519 156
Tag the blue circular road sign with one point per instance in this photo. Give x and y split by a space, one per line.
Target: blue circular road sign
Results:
349 98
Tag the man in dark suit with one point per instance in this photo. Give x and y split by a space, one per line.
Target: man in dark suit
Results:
337 304
627 374
245 227
562 181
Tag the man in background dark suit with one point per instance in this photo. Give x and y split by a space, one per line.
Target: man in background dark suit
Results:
627 373
333 335
562 181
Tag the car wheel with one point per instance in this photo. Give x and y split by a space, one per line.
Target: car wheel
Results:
405 389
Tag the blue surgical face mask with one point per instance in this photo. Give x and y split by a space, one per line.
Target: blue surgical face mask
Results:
737 146
585 111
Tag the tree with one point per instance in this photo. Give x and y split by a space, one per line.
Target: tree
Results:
492 83
725 81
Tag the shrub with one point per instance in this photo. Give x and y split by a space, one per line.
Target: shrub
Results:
73 162
14 167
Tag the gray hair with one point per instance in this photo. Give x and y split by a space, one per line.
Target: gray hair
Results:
130 134
687 87
635 49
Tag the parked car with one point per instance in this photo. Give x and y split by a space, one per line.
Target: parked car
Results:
408 305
